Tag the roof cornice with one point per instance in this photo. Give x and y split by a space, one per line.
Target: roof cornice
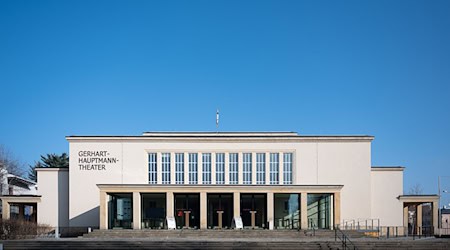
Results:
226 138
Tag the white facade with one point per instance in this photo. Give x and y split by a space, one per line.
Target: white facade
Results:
54 189
342 162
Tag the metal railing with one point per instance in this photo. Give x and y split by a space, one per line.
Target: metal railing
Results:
345 240
361 224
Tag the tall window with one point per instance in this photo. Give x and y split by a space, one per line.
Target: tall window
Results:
247 168
206 159
179 168
220 168
152 168
274 164
260 168
287 168
165 171
193 168
234 176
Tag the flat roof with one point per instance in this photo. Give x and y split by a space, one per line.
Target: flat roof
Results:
387 168
226 133
282 135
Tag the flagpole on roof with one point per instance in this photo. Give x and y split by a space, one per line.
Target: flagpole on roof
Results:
217 121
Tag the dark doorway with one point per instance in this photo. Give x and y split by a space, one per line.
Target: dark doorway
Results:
153 210
254 210
187 210
220 211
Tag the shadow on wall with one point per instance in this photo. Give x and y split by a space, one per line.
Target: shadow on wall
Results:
63 198
89 218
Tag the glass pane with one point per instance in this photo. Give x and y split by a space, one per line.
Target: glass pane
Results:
153 210
120 210
319 211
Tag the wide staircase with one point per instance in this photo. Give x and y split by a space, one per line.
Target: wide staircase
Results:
219 234
223 239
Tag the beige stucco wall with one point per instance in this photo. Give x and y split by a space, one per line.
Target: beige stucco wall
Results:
53 187
315 163
386 187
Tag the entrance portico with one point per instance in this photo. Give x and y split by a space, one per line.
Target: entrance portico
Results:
210 206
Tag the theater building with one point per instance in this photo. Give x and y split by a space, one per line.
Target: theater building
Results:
220 180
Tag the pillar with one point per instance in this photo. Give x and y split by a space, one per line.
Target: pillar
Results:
136 210
5 209
304 210
237 204
103 210
419 218
270 211
435 216
337 209
169 204
405 217
203 211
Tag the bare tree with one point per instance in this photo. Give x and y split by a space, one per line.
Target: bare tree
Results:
415 190
8 164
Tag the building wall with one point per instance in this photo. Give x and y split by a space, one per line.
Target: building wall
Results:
386 187
53 187
315 163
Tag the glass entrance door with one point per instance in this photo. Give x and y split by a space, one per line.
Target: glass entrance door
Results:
153 210
319 211
187 210
287 211
220 211
120 211
253 210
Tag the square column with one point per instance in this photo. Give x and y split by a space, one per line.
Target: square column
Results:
5 209
136 210
237 204
203 211
435 215
169 204
304 210
270 210
419 219
337 209
103 210
405 216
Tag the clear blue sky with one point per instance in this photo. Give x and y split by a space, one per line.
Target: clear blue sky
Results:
317 67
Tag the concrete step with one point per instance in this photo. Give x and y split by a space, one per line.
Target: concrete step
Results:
220 245
217 234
